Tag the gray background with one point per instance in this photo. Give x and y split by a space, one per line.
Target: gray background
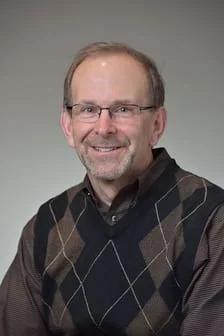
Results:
37 42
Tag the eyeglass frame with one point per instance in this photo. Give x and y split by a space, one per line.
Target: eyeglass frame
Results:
139 107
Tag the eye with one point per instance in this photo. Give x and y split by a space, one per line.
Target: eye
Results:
87 109
123 109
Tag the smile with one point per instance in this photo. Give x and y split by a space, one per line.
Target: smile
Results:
105 149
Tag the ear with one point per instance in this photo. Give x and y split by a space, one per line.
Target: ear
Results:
159 122
67 126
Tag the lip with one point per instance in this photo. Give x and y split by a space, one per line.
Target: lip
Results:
106 150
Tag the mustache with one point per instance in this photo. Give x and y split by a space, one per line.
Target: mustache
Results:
109 142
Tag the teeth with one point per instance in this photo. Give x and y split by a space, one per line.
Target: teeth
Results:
105 149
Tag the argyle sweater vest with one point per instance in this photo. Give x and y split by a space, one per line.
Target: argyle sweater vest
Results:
128 279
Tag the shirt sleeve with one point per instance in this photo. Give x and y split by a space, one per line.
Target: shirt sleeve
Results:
203 304
20 293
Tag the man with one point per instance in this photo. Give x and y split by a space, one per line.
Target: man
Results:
137 247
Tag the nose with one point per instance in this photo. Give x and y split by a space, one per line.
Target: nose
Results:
104 124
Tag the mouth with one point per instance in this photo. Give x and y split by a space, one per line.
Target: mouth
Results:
105 149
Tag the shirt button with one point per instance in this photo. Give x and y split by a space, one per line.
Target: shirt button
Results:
114 218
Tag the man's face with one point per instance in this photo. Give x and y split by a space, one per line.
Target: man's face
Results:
108 148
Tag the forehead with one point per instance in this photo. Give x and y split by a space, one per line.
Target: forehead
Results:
113 74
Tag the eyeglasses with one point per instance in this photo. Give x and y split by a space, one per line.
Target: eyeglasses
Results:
91 113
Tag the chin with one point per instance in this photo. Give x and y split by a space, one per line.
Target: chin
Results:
108 171
107 175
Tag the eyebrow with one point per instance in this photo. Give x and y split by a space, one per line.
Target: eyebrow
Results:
115 102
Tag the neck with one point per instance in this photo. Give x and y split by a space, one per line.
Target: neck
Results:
106 191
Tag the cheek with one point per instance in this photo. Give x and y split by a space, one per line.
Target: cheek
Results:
142 135
138 133
80 133
148 130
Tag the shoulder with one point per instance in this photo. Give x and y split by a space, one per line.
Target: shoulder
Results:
56 207
197 199
50 226
192 184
